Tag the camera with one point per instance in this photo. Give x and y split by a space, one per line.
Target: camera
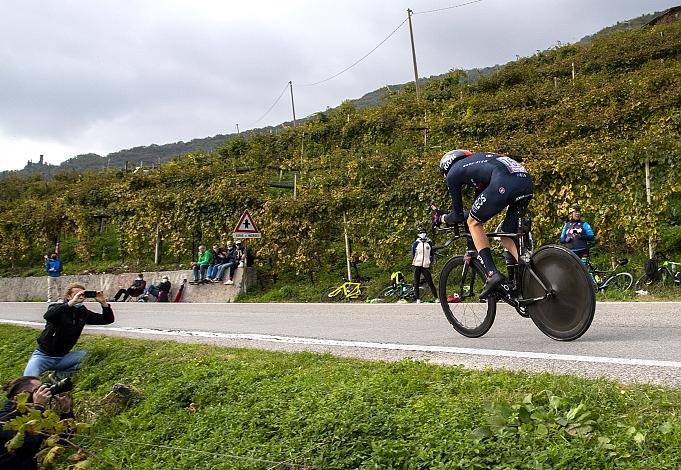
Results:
89 294
64 385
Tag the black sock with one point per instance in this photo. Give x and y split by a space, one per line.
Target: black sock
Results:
485 257
512 269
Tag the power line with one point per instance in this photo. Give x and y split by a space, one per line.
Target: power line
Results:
447 8
271 107
359 60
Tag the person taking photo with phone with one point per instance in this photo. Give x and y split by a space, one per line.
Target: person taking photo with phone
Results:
65 322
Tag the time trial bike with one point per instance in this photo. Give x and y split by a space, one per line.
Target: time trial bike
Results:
551 286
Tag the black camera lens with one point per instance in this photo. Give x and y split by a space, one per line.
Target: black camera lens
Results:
64 385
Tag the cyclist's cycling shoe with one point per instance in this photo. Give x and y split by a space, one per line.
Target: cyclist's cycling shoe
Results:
492 284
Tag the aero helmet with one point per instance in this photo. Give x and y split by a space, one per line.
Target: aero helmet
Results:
450 158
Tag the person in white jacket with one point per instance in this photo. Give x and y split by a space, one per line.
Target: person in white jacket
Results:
422 254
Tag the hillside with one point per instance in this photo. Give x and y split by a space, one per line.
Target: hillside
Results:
155 154
583 140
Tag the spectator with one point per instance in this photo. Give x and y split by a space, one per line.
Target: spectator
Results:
228 262
577 233
200 267
422 253
65 322
39 394
160 291
135 289
232 263
219 255
240 253
248 256
54 267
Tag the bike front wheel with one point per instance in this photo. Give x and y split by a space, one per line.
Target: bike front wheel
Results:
459 287
568 310
620 281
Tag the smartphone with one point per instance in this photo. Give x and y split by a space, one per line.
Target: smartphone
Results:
89 294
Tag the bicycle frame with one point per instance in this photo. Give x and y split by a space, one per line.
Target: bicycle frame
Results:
349 289
514 299
603 278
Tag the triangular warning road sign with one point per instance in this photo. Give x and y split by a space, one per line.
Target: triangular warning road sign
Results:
246 224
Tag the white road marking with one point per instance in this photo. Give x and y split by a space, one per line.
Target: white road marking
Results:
370 345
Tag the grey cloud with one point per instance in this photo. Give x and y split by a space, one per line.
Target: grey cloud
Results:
112 75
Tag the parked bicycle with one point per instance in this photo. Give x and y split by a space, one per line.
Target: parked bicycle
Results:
611 279
551 286
400 291
660 270
346 292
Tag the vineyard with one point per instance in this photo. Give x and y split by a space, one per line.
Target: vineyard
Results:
585 138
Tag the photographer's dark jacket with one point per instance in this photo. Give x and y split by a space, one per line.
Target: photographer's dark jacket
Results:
23 458
64 325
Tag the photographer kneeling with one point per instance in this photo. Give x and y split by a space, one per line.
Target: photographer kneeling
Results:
24 457
65 322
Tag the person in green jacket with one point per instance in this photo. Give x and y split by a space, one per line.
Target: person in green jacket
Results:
200 267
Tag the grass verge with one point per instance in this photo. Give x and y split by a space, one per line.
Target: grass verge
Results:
255 408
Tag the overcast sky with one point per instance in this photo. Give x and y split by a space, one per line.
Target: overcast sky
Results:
80 76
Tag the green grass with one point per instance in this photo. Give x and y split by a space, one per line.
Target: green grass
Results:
337 413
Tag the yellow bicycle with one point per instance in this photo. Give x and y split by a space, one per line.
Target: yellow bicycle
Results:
346 292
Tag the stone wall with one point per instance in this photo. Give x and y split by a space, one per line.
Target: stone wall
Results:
20 289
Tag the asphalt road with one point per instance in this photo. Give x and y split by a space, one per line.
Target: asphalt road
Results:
634 342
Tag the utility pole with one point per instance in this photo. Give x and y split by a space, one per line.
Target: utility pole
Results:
302 150
649 199
237 128
293 105
413 54
347 246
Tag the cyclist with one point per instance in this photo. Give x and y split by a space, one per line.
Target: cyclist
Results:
577 232
500 182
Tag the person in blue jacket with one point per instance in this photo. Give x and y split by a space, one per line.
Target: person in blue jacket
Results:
577 233
54 267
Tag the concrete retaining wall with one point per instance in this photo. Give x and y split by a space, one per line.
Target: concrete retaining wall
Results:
20 289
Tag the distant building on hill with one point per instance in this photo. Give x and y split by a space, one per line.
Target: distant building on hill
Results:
669 16
40 162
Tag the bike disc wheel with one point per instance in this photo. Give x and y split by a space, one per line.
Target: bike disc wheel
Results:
459 288
568 312
621 281
327 295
